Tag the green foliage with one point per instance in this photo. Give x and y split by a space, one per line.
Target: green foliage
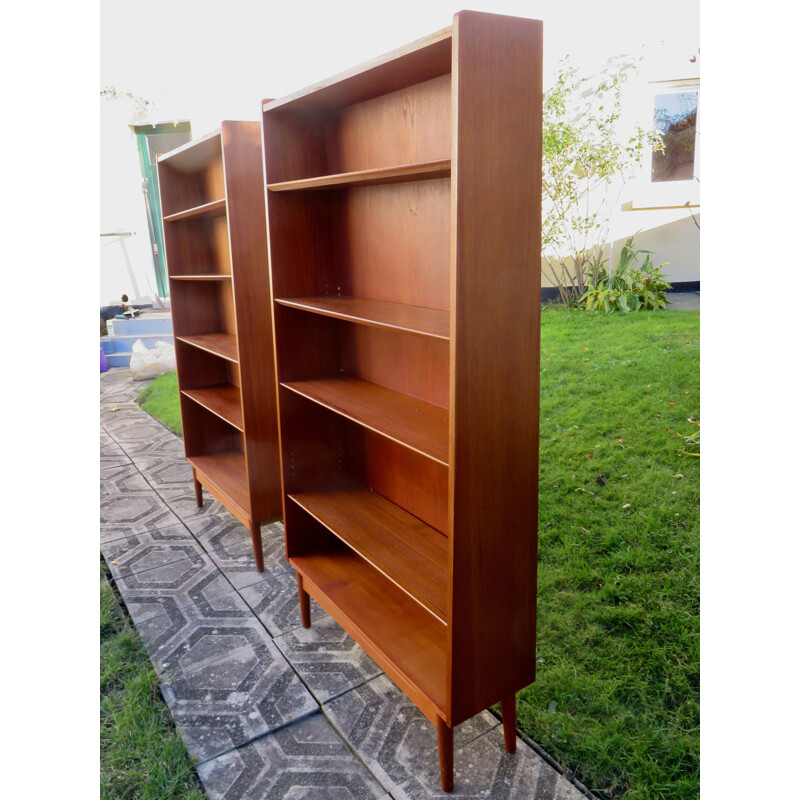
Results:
142 756
587 160
616 697
626 288
160 399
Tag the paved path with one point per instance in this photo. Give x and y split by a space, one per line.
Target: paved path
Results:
267 708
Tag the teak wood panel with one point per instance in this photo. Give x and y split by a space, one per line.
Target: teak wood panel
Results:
247 231
197 246
494 424
397 544
199 368
202 307
380 313
186 183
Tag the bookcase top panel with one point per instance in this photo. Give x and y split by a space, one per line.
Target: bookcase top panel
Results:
420 61
194 155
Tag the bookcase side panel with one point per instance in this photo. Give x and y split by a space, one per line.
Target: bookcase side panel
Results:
247 234
494 356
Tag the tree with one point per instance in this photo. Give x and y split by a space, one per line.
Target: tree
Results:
587 162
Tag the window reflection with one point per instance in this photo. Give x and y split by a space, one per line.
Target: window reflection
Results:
676 117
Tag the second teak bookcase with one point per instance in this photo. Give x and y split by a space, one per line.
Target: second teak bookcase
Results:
215 236
404 207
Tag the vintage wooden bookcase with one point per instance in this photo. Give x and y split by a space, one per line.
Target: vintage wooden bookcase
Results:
215 236
404 209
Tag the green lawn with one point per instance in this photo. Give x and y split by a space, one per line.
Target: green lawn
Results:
160 399
142 757
616 698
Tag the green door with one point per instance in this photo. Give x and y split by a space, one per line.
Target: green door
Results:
150 141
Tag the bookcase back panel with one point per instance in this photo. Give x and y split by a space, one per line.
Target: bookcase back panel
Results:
312 443
402 127
204 307
182 190
303 260
198 247
393 241
308 345
413 365
410 480
198 369
205 433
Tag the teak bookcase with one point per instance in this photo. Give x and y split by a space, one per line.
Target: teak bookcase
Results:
403 200
215 236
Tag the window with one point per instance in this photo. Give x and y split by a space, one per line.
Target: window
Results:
676 117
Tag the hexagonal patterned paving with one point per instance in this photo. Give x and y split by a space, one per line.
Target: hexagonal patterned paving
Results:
269 709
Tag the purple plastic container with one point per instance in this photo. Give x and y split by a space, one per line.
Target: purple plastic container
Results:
103 362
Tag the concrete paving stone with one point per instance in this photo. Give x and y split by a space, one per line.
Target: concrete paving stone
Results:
121 479
188 581
166 472
274 600
231 548
233 686
305 761
484 771
391 735
111 454
145 551
199 519
327 659
135 512
116 385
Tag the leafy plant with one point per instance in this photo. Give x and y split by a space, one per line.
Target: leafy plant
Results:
587 160
626 288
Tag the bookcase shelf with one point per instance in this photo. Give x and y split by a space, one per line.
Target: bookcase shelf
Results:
223 400
403 548
404 215
411 422
216 208
420 171
219 344
212 197
380 313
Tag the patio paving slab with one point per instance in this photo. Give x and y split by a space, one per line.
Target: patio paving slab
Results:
327 659
389 733
484 771
307 760
274 600
269 709
148 550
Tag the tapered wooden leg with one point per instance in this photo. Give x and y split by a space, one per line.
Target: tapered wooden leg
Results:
305 603
198 489
255 535
445 754
508 707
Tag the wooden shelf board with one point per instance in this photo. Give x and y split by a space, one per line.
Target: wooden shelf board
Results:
406 642
420 171
404 419
225 474
219 344
216 208
379 313
205 277
224 400
403 548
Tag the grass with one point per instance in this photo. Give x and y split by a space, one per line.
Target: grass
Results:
616 699
142 757
160 400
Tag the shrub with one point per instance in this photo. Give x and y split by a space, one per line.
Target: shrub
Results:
626 287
